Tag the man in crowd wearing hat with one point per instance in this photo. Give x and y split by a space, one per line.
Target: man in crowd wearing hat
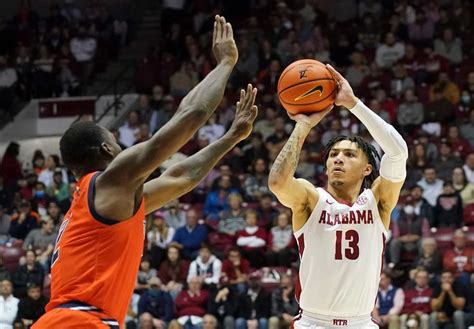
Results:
157 303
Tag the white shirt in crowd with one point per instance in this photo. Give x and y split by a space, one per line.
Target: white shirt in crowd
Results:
8 77
469 173
128 134
387 55
8 311
431 191
155 238
83 49
211 275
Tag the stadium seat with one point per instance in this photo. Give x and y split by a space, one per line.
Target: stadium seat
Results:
11 256
444 237
468 214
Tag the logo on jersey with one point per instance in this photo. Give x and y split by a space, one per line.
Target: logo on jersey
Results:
339 322
350 217
329 201
361 200
310 92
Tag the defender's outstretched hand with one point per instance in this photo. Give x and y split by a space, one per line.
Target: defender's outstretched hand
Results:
223 43
245 114
345 96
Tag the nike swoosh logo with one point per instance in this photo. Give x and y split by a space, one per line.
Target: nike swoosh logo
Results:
310 92
328 202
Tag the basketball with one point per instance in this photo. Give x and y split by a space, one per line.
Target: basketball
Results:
306 86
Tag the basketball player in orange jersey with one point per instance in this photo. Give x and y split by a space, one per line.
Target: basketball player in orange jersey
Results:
100 242
341 229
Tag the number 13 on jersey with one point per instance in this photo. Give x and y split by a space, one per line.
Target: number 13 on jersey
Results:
349 242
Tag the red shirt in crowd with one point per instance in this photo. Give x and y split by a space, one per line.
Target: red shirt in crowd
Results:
188 303
229 269
458 261
417 300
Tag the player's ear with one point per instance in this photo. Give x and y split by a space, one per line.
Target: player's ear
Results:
107 149
368 170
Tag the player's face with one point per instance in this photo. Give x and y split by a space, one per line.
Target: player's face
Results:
346 164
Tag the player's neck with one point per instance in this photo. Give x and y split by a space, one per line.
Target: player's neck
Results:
347 193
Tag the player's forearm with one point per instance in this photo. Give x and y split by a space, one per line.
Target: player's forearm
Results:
286 163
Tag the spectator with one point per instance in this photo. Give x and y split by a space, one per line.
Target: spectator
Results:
156 302
281 243
449 47
24 221
266 211
389 302
255 149
173 271
448 302
54 212
8 305
58 189
182 81
438 110
217 200
407 232
31 307
256 182
145 274
66 203
432 186
467 129
174 215
284 305
4 224
146 321
31 272
159 237
430 258
52 165
422 207
266 126
446 161
254 310
10 167
357 71
400 81
448 210
191 236
42 240
222 304
129 130
209 321
306 169
43 74
207 267
421 31
212 129
461 147
447 88
235 270
233 219
418 301
252 240
191 304
458 260
469 167
410 112
462 186
84 48
389 52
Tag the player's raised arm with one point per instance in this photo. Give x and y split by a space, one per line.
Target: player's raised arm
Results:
132 167
292 192
393 164
184 176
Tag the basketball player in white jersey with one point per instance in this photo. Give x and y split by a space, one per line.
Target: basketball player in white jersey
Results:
341 229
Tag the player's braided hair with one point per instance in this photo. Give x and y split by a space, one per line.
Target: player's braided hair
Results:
370 151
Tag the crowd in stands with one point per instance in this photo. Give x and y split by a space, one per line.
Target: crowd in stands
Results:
224 254
56 55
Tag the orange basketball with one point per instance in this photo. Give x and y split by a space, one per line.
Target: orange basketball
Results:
306 86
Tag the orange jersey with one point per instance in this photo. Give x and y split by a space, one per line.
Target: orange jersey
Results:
95 259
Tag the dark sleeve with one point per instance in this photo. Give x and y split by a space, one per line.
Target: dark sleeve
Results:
142 304
20 312
211 304
168 316
264 309
275 303
436 291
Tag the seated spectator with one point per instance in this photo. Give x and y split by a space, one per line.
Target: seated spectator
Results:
83 49
357 71
407 232
217 200
145 274
129 130
449 47
30 272
8 305
66 203
146 321
462 186
430 258
4 224
449 89
389 302
52 165
252 240
418 301
467 129
54 212
400 81
44 83
254 306
212 129
24 221
222 304
410 112
266 212
448 210
438 110
256 183
207 267
431 185
389 52
58 189
182 81
233 219
173 271
175 217
191 236
447 160
156 302
281 243
266 126
461 146
469 167
306 169
31 307
235 270
422 207
459 259
275 141
209 321
159 237
284 305
417 163
255 149
448 302
41 239
191 304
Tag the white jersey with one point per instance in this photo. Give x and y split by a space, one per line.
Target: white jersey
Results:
341 249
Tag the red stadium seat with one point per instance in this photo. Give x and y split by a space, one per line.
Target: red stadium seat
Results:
11 256
444 237
468 214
